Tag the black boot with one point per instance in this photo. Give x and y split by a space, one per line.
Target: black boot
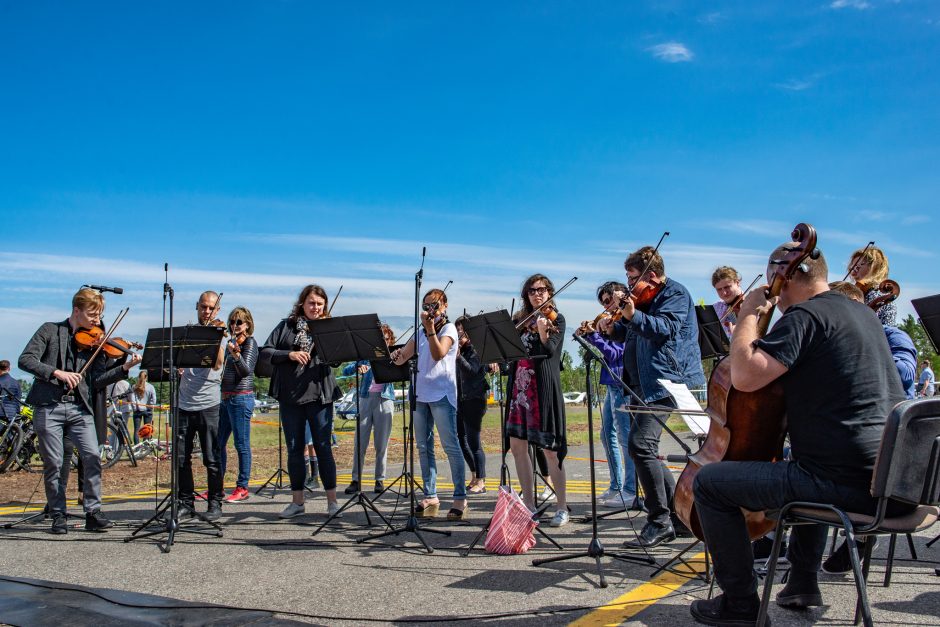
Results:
801 591
723 610
214 512
60 525
96 521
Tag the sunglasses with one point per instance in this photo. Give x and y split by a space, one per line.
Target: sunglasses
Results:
235 323
430 307
538 290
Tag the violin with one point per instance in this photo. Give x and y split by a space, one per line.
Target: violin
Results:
890 290
734 307
547 311
114 347
550 313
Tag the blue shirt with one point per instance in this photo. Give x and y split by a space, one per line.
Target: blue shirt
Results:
926 376
905 357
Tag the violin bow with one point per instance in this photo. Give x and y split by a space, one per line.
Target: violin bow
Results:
107 337
522 322
335 298
649 262
858 260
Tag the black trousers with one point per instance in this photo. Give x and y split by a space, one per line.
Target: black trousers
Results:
205 424
470 414
659 487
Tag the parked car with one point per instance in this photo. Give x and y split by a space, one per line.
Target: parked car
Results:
574 398
266 404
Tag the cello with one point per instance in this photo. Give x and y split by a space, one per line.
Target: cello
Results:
745 426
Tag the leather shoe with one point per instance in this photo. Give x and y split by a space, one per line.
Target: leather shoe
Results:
379 486
214 512
352 488
801 591
60 525
652 535
724 611
95 521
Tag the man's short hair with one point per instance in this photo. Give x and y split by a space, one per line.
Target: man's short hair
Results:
4 365
87 299
810 270
848 289
639 259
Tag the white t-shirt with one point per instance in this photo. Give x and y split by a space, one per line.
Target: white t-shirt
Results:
437 379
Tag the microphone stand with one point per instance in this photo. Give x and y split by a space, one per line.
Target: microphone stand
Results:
595 548
411 524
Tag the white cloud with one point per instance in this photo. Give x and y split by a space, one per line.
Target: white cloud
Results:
672 52
860 5
796 84
915 219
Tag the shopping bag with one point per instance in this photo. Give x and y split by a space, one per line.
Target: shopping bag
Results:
511 528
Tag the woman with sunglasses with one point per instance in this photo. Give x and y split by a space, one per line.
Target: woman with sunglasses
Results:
238 397
306 389
436 391
536 406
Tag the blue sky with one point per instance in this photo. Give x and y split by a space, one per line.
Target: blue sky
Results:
260 146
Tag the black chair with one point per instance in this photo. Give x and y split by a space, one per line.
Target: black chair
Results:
907 469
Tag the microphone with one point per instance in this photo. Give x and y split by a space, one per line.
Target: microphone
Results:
102 288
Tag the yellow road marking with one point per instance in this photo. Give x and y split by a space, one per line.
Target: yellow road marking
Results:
635 601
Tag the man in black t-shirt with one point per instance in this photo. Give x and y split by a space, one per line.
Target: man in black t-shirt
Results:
839 384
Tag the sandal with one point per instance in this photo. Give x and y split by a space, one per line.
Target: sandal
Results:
428 510
477 488
458 514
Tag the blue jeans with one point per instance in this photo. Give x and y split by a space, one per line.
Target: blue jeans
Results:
444 415
722 489
235 418
319 418
615 435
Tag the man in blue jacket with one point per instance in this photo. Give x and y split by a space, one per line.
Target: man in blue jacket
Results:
666 348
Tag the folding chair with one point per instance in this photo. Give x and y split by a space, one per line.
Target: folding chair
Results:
907 469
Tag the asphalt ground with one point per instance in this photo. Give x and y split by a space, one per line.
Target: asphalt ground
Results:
342 577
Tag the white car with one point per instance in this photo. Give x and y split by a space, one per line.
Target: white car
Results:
574 398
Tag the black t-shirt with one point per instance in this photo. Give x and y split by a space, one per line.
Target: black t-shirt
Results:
840 385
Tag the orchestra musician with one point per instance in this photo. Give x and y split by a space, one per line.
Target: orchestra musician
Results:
200 396
376 406
727 283
436 394
472 390
839 383
238 397
666 348
868 268
61 396
536 406
306 388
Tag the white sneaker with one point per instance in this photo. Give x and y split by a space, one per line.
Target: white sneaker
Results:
292 510
606 495
619 500
332 508
560 518
547 494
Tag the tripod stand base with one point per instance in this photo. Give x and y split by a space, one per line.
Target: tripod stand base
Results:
596 551
275 482
43 515
411 526
357 499
170 527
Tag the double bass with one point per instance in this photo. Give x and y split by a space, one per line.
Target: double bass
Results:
745 426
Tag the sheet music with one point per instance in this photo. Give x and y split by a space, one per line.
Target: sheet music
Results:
684 400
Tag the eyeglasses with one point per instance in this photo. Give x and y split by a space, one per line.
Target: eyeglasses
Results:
430 306
235 323
538 290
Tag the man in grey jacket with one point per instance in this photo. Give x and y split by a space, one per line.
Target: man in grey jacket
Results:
62 400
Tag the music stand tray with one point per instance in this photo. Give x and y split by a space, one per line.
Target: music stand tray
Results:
928 312
351 338
712 339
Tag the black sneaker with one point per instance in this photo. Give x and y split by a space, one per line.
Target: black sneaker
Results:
352 488
763 546
96 521
379 486
214 512
60 525
723 611
801 591
840 562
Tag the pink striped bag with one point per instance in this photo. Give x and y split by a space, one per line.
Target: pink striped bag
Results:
511 528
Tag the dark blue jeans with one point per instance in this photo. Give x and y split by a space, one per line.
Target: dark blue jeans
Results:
320 418
722 489
659 487
235 418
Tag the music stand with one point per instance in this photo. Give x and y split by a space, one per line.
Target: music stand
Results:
385 371
712 340
496 339
197 347
928 313
351 338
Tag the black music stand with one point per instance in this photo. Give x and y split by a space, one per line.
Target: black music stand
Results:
384 371
928 314
595 548
197 347
712 339
351 338
496 339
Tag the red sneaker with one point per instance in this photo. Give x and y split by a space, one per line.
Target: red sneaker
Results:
238 494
